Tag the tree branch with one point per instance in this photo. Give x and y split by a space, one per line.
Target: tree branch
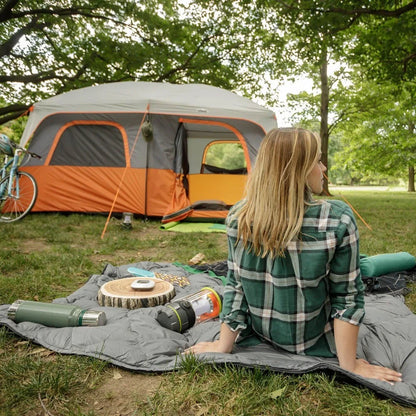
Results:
77 75
376 12
6 11
70 11
185 63
39 77
12 112
406 61
356 12
14 39
19 108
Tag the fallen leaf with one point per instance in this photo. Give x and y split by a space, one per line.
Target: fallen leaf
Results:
203 411
277 393
41 351
117 375
196 259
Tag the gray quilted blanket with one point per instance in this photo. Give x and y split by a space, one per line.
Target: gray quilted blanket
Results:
134 340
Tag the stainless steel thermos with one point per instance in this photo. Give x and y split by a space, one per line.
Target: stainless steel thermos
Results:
54 314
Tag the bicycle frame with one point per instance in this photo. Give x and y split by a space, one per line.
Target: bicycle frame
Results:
10 166
18 189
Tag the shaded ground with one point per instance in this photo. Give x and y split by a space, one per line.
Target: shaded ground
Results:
117 395
30 246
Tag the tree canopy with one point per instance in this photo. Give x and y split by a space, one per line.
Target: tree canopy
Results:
48 47
374 37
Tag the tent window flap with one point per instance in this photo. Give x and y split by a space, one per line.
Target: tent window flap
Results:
90 145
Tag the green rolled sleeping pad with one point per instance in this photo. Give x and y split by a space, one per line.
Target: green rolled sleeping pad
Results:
372 266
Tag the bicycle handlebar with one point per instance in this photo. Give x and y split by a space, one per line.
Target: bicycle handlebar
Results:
35 155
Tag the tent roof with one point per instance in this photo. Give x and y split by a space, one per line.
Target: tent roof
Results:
187 99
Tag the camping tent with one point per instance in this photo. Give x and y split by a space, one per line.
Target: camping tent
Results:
141 147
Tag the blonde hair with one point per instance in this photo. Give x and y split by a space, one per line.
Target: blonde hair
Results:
277 191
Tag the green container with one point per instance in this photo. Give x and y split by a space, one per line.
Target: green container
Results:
54 314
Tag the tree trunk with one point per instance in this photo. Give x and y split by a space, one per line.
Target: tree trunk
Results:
411 181
119 293
411 168
324 131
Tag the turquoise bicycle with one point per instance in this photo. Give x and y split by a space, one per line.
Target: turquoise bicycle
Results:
18 189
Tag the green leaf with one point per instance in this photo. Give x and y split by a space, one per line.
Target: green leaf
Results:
277 393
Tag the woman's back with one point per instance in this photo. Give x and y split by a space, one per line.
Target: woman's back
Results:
291 298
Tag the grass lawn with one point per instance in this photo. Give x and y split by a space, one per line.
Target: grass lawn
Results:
46 256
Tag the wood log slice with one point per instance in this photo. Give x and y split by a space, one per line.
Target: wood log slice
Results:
119 294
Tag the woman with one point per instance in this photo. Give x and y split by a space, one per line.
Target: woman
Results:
294 278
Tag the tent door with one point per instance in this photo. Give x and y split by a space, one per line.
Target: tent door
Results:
179 207
222 173
211 163
216 144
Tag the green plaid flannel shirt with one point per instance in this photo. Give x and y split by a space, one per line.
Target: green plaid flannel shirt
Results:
291 301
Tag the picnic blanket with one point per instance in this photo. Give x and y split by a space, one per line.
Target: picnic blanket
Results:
133 339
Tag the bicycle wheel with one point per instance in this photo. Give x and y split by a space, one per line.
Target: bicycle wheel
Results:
21 199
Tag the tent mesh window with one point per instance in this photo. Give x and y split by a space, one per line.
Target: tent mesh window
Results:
224 157
102 145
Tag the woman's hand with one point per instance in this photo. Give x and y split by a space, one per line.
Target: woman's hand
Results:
201 347
346 342
224 344
365 369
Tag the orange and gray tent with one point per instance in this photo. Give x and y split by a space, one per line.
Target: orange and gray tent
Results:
141 147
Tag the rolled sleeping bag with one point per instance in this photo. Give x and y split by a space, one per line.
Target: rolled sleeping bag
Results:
380 264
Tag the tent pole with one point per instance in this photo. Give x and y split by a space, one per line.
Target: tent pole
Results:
147 134
145 180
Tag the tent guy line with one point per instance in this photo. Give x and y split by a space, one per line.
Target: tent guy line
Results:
124 173
350 205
